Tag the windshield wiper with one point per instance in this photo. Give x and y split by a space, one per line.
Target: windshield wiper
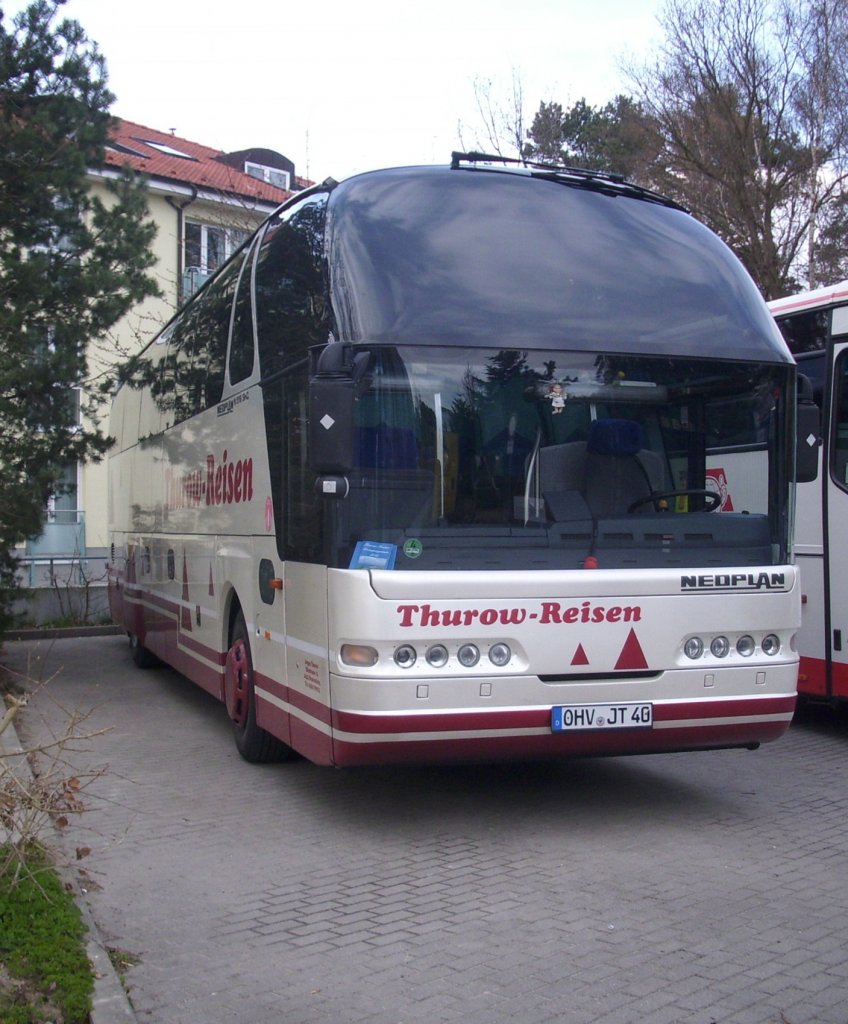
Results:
580 177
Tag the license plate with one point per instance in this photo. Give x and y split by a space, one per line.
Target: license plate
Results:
574 717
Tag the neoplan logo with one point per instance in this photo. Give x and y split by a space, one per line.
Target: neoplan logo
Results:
735 581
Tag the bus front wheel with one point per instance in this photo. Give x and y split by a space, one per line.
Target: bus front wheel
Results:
252 742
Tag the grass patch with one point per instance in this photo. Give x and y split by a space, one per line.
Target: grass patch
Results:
45 973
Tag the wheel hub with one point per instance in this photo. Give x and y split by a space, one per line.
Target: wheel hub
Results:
236 690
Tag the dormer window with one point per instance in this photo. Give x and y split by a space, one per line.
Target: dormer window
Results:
166 150
270 175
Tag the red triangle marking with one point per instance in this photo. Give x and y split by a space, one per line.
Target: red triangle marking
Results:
580 656
185 613
632 656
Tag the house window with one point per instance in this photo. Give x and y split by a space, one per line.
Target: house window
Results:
271 175
207 247
63 505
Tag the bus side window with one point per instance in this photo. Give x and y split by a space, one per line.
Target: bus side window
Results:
219 297
163 377
291 304
186 362
839 443
291 313
242 342
806 332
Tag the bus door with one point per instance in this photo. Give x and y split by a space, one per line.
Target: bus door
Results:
810 502
836 523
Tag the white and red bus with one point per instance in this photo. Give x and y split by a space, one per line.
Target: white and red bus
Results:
470 462
815 326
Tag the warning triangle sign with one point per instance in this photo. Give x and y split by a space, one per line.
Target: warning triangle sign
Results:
632 656
580 656
185 613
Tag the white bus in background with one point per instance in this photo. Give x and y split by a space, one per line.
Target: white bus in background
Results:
815 326
472 462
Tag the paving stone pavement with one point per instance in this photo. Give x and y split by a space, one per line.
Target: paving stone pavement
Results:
700 888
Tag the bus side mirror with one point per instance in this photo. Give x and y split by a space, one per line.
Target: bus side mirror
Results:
808 434
333 393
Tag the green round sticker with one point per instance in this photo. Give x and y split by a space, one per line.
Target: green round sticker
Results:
412 548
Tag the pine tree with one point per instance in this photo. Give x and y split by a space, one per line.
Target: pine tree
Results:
71 265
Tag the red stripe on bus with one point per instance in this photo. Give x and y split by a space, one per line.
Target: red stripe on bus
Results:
556 746
294 698
394 724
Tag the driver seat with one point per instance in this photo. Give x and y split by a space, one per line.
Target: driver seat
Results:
614 475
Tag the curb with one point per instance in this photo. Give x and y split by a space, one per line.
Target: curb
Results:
110 1003
61 632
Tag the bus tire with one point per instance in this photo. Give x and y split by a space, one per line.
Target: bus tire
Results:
253 743
142 657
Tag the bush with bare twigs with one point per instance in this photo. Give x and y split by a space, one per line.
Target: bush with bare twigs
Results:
39 789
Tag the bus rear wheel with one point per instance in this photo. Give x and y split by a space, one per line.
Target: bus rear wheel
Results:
252 742
142 657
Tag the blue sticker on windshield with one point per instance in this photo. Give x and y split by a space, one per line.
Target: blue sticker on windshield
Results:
373 554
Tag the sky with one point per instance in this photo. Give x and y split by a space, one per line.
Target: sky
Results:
343 86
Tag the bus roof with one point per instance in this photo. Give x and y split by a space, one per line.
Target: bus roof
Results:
818 297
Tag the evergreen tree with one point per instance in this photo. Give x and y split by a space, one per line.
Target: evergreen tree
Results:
71 265
617 138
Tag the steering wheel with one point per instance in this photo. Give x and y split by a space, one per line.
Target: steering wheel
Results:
712 499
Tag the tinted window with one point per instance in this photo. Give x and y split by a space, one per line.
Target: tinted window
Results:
185 364
218 299
460 257
290 286
839 444
807 336
242 346
806 332
291 311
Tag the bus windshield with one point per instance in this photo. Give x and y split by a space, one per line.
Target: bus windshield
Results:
509 459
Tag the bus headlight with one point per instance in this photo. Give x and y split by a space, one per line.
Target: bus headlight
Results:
745 646
468 655
437 655
693 648
771 645
499 655
719 646
405 656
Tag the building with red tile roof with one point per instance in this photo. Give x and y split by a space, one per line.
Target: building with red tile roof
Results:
252 175
204 203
